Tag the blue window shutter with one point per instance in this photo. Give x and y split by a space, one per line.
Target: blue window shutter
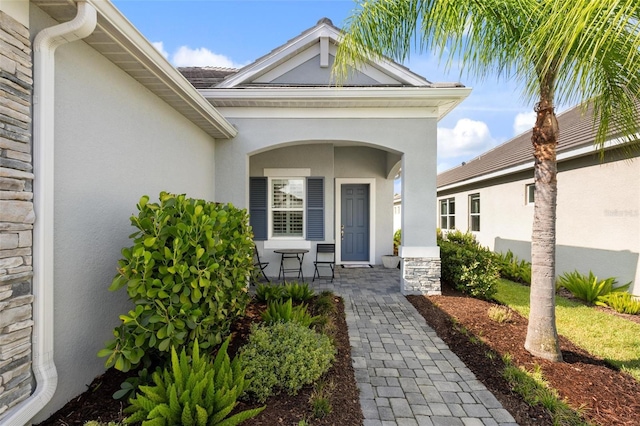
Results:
315 209
258 207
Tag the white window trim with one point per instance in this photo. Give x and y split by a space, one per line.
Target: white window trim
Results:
286 242
448 215
528 202
477 194
372 216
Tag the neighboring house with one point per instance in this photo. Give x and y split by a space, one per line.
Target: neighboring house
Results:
598 207
397 212
92 117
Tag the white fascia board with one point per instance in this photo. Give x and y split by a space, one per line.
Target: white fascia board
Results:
372 112
367 96
131 40
315 50
567 155
266 63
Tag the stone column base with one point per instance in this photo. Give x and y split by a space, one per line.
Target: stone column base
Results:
421 275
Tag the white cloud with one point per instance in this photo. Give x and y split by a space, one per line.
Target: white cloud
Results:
160 48
185 56
200 57
523 122
467 139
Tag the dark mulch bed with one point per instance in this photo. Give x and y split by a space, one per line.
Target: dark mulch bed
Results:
605 395
97 404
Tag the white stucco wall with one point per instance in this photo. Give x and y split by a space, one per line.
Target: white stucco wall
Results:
597 228
115 141
361 152
599 221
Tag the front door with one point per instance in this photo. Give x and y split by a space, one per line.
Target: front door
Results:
355 223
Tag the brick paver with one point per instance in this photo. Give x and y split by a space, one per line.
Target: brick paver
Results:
406 374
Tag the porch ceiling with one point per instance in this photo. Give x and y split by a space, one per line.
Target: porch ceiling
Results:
121 43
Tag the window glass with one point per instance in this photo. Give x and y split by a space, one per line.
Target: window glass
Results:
287 207
474 212
447 213
531 193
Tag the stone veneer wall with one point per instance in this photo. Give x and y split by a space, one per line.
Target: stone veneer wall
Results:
16 213
421 276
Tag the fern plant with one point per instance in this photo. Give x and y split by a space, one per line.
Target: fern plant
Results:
278 311
514 269
269 292
193 392
590 288
299 292
621 302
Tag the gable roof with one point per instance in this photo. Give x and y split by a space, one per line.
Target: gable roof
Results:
298 75
576 131
267 68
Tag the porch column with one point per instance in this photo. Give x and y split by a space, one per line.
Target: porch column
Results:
419 251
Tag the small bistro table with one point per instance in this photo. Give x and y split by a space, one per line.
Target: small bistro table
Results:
297 254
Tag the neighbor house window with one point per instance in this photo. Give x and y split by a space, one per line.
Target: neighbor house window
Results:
287 207
530 191
474 212
448 213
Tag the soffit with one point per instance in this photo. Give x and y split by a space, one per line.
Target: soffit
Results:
121 43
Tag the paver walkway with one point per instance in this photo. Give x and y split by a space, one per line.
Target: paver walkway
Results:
406 374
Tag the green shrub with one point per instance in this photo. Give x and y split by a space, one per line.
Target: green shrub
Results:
513 269
621 302
589 288
130 386
323 305
500 314
299 292
269 292
186 274
320 399
278 311
397 241
193 392
467 265
284 356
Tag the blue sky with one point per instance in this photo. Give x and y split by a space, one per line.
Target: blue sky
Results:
233 33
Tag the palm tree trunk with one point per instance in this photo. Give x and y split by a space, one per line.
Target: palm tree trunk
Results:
542 336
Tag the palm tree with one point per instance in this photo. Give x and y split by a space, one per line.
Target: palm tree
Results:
566 51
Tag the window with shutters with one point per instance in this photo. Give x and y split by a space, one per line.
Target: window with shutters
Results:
286 208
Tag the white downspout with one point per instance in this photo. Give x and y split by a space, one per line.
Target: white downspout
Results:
44 46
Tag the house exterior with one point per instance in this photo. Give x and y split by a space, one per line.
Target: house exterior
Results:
598 207
397 212
92 117
340 147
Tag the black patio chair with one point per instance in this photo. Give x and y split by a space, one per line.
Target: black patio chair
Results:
325 257
258 264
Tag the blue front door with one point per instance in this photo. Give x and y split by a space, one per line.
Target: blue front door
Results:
355 223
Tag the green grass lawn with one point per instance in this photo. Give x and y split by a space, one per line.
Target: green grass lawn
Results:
613 338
